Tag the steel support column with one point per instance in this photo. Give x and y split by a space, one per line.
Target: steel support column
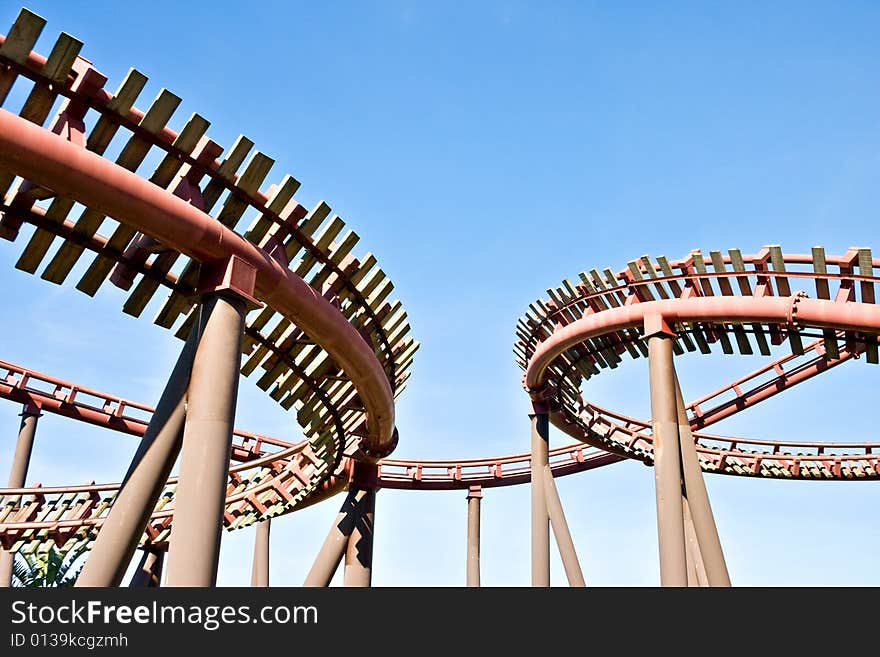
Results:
121 531
560 531
334 546
667 469
359 551
698 499
260 569
696 566
474 496
692 573
194 548
540 518
17 475
149 570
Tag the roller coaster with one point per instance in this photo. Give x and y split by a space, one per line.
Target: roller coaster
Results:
86 176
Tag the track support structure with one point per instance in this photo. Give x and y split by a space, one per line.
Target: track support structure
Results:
21 461
667 467
474 498
149 569
351 534
564 542
540 518
359 551
194 547
142 485
698 509
260 568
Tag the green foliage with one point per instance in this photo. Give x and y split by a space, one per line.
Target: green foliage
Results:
46 569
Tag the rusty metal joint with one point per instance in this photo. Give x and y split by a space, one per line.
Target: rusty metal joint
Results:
791 315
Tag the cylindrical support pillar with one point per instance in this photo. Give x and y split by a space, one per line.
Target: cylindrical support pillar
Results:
121 531
696 567
24 445
17 475
336 543
260 569
698 500
149 570
540 518
194 548
692 573
359 552
667 469
474 496
560 531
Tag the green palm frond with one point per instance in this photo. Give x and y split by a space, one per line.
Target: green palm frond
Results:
46 569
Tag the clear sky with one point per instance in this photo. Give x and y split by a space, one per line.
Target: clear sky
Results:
485 153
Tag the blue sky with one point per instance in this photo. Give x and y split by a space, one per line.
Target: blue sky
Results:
485 153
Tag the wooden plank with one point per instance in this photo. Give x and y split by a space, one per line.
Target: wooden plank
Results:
337 253
226 171
381 293
283 329
866 269
820 268
700 338
615 286
322 242
719 330
745 288
652 273
675 289
249 183
778 262
278 201
700 268
186 141
667 272
40 242
18 44
783 289
39 102
145 288
592 296
123 100
641 292
310 224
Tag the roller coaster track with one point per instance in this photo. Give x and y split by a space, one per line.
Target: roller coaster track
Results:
323 334
267 474
324 337
735 301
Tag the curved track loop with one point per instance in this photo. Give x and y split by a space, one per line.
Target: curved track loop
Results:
740 302
326 341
